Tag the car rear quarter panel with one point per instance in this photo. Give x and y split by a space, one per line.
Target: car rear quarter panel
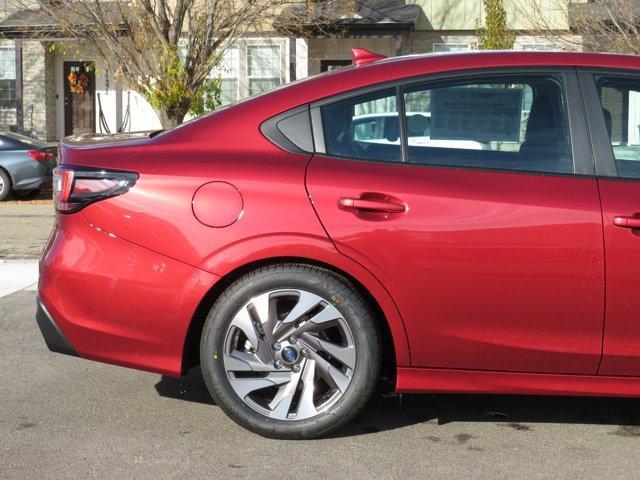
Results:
277 221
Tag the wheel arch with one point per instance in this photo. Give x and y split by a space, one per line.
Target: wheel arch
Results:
394 340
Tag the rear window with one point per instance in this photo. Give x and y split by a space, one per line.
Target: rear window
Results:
620 99
15 140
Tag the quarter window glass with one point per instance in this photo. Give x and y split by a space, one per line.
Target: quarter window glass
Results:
620 98
364 127
515 123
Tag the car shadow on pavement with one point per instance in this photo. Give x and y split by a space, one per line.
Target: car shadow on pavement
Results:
518 412
190 388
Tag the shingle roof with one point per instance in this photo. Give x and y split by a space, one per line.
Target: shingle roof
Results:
36 24
362 16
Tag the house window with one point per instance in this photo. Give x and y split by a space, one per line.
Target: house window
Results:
537 46
229 71
263 68
7 77
450 47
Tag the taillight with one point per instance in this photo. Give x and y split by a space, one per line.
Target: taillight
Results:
76 187
41 155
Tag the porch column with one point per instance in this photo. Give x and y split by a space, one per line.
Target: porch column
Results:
302 57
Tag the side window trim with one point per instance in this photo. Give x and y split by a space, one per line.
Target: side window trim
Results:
600 142
582 157
402 122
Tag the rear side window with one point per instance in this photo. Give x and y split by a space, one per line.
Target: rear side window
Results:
620 99
365 127
513 123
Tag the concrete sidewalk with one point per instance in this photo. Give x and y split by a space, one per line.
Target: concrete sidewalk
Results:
16 275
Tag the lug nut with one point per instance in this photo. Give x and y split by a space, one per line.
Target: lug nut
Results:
276 346
304 352
296 367
293 339
277 364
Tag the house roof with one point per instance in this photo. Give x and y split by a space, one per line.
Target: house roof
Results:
337 17
38 24
361 17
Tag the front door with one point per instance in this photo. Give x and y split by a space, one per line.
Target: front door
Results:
488 242
79 97
615 127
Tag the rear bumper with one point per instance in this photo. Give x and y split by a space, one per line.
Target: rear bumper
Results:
107 299
53 337
34 175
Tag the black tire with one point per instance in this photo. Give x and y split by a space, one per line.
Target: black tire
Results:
5 185
355 312
26 194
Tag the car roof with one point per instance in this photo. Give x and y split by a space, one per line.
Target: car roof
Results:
404 68
525 57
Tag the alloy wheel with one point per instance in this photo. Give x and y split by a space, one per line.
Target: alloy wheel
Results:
289 354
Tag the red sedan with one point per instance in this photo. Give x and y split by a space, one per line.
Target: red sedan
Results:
458 223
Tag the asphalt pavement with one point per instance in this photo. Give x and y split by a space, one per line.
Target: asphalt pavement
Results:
64 417
25 227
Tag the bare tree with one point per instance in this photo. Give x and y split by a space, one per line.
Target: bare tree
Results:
596 25
165 49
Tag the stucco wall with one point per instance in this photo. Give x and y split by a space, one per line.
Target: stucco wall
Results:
38 101
464 14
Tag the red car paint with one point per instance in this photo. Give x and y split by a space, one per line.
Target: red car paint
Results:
489 281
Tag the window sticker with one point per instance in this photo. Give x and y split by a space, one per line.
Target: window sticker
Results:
475 113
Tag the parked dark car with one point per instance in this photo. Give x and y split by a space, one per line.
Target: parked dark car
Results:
26 165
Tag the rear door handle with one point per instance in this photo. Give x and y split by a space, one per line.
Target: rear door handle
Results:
378 206
626 222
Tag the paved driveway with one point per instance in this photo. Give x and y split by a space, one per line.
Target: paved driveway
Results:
62 417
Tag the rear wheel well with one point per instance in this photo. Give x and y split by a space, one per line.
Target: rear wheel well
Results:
191 351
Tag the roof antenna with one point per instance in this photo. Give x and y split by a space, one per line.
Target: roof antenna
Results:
362 56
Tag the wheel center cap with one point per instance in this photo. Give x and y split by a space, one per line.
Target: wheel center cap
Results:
289 354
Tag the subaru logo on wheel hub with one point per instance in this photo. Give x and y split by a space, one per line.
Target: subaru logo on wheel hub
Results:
289 354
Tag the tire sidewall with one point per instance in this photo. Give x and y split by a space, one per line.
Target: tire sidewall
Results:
6 189
355 314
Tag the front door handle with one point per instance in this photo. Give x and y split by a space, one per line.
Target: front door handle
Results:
626 222
376 206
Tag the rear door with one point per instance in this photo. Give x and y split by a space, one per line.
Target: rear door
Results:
485 226
613 105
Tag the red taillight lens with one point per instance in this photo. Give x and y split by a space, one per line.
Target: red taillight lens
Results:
76 187
41 155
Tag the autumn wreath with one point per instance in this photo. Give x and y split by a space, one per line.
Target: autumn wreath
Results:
78 83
